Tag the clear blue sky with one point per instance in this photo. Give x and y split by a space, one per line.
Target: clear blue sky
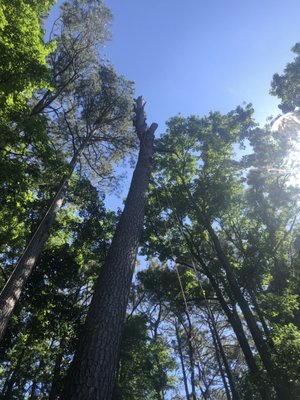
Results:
197 55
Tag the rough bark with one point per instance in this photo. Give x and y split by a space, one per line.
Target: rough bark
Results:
13 288
92 372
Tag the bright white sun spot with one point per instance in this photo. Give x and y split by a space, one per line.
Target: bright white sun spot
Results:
289 124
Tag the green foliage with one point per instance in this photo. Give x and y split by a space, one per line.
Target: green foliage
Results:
25 151
286 86
251 205
42 336
144 363
56 96
71 97
23 53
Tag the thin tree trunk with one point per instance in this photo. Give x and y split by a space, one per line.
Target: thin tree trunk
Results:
11 380
35 381
182 362
189 334
233 319
204 392
92 372
33 389
234 322
56 378
13 288
261 317
238 329
281 386
157 388
220 354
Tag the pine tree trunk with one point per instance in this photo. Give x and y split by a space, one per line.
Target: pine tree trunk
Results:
92 372
13 288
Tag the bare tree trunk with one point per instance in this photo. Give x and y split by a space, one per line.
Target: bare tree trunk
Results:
92 372
13 288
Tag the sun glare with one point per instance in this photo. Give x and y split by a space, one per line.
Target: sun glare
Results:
289 124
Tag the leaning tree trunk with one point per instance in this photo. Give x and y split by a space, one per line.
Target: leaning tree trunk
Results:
13 288
92 372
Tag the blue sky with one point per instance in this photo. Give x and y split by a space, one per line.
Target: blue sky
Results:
199 55
195 56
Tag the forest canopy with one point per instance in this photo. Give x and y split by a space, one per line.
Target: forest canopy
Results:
212 309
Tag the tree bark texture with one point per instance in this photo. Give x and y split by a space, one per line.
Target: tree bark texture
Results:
92 372
13 288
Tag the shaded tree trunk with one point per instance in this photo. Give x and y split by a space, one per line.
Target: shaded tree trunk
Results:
7 390
92 372
13 288
261 317
35 381
56 374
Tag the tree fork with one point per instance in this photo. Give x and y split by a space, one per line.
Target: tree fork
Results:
92 371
